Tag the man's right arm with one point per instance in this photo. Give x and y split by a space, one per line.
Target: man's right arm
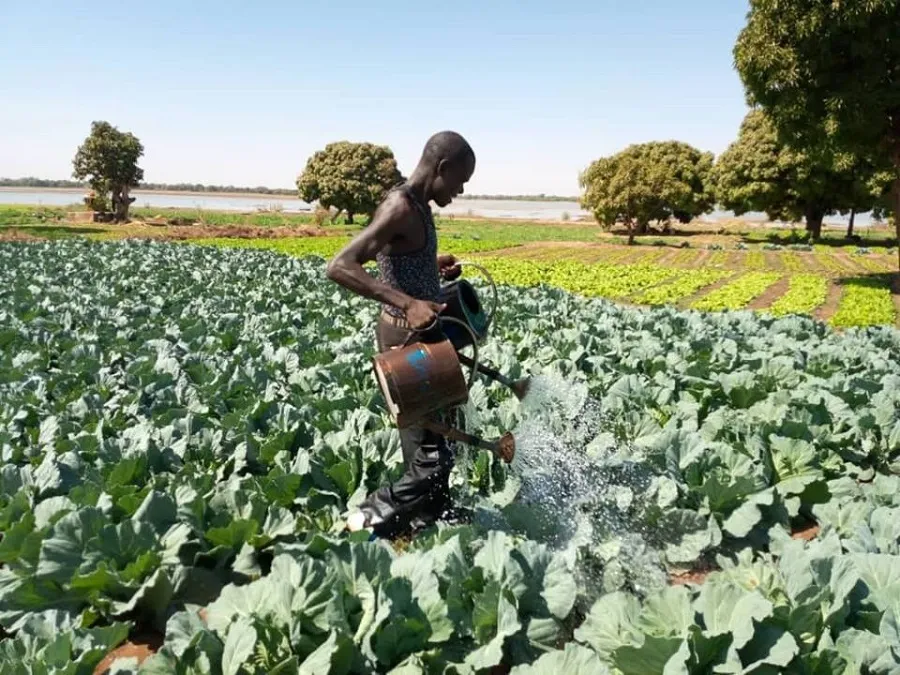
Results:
346 268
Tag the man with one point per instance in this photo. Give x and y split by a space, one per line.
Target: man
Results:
402 238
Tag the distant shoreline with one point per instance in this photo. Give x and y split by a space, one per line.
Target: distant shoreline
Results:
276 196
189 193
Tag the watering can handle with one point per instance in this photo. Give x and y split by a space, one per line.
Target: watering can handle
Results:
490 280
437 319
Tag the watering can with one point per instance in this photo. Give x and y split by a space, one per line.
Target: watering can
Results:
462 303
417 380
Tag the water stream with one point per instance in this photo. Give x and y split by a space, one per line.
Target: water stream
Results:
575 473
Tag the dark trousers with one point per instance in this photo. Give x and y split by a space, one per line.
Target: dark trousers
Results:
423 491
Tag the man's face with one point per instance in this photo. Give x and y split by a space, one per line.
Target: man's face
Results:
452 176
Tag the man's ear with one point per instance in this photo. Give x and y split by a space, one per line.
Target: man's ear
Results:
441 167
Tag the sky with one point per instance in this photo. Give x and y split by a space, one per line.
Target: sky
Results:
243 93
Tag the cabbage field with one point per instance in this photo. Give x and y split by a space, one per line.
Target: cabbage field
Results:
183 429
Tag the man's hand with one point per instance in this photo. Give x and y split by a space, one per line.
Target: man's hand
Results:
421 314
448 267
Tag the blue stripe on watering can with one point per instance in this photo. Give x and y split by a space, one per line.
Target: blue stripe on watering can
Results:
418 359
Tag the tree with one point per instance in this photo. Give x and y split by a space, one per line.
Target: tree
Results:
109 159
760 173
649 182
828 70
351 177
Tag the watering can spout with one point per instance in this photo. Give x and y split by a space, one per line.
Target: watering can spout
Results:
504 447
518 387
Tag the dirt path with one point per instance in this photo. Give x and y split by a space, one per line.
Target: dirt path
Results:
701 260
13 234
670 258
773 261
832 300
231 232
847 261
689 300
770 295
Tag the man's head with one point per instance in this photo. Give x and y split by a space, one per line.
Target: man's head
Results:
451 162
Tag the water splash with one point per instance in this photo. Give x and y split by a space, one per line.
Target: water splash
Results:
578 477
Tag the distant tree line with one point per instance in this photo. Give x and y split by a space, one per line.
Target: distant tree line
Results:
32 182
522 198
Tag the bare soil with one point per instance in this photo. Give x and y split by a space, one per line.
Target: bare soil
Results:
770 295
696 575
848 262
806 532
241 232
773 260
706 290
702 259
12 234
832 300
141 648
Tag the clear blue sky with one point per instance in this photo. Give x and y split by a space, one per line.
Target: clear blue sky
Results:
242 93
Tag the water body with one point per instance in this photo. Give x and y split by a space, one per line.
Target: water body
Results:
484 208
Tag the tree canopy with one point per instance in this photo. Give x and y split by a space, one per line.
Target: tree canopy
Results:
828 70
108 158
350 177
760 173
649 182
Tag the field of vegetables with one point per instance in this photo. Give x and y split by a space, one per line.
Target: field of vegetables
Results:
700 279
183 428
761 269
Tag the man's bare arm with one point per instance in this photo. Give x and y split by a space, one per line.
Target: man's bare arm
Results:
346 268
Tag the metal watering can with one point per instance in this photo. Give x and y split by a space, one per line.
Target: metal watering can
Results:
417 380
464 305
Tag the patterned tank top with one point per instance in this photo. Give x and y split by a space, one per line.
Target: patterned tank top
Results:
415 273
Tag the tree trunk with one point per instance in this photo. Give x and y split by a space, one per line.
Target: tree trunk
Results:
349 219
897 217
850 225
120 203
814 223
630 224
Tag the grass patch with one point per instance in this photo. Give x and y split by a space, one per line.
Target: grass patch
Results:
12 215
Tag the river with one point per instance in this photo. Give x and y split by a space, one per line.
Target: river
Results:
485 208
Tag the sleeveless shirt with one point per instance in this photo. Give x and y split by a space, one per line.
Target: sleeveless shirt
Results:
415 273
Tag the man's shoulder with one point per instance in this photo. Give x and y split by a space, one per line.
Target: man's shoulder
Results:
396 206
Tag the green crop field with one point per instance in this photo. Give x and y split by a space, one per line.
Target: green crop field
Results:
638 276
183 429
845 286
